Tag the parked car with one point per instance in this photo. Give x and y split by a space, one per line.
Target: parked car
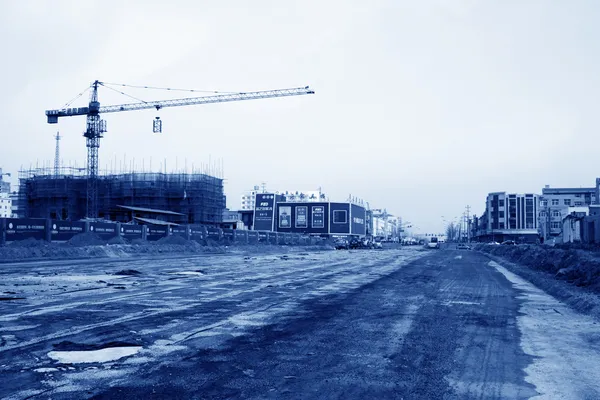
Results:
341 244
509 242
462 246
377 245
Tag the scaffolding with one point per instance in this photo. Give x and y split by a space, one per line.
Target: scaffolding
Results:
61 194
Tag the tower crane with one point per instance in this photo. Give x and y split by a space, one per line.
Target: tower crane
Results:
96 127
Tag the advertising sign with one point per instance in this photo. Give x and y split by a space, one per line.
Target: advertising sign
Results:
197 232
213 233
104 229
272 237
301 217
228 234
65 230
264 212
252 237
358 223
179 231
285 217
24 228
156 232
318 217
263 237
131 231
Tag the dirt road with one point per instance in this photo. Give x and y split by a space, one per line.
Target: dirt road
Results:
361 324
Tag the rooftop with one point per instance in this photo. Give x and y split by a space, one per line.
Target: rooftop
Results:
568 190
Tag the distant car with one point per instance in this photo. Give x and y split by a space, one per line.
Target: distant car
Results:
509 242
341 244
377 245
462 246
433 243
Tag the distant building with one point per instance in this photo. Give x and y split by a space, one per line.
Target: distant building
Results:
14 197
509 216
554 205
5 206
248 199
4 185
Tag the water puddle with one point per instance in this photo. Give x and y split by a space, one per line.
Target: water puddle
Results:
93 356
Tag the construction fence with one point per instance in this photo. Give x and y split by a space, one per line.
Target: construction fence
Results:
16 229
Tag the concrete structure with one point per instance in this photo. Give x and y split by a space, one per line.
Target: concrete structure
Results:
197 196
554 207
572 225
509 216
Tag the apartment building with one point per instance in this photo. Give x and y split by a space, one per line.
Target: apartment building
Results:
509 216
555 204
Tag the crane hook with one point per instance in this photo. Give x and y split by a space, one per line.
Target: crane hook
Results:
157 125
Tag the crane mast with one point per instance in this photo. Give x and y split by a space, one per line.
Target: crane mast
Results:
96 127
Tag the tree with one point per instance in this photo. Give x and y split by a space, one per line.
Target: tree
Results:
452 232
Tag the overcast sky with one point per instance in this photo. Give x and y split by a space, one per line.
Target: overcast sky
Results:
421 107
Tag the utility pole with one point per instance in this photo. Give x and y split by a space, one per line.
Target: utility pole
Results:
467 223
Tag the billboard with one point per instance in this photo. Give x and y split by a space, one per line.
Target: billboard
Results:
285 217
317 219
264 212
301 217
358 221
339 218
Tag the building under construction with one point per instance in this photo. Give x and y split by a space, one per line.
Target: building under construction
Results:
189 198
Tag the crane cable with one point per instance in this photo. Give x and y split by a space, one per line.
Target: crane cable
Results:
163 88
123 93
76 97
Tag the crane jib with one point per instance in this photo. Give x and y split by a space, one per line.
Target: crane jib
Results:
95 107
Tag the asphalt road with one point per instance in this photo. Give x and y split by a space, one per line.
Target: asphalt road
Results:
412 324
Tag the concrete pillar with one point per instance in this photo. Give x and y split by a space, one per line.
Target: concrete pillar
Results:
48 230
144 232
118 229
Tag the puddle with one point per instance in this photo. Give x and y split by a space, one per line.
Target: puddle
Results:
464 303
193 273
11 298
93 356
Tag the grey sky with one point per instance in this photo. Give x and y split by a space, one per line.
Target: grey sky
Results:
421 107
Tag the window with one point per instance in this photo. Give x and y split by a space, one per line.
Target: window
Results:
501 203
544 203
556 225
542 213
501 214
578 195
501 225
556 213
340 216
567 202
578 203
554 202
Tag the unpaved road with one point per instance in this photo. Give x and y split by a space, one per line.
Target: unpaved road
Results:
362 324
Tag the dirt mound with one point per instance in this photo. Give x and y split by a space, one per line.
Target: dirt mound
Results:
173 239
29 242
86 239
118 240
576 267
